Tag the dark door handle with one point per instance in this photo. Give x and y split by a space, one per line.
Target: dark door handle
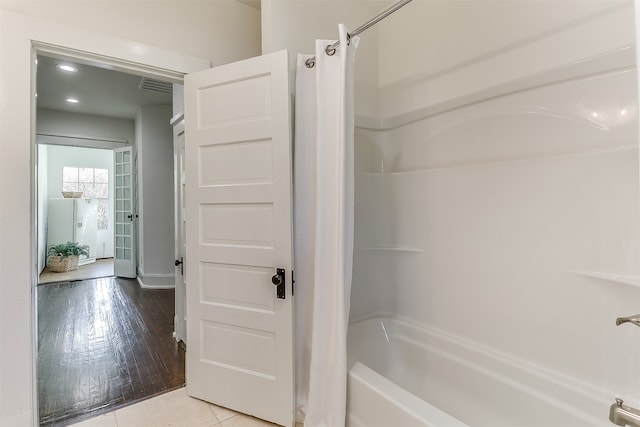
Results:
181 264
278 280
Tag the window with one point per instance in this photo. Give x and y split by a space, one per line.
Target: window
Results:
94 184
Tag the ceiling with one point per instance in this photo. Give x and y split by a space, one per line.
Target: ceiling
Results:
99 91
103 91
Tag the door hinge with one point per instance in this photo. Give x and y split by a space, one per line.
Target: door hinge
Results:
293 284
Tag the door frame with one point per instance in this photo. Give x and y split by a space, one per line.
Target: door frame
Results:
59 142
179 322
106 51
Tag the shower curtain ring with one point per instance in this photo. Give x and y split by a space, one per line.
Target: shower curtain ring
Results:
330 51
310 63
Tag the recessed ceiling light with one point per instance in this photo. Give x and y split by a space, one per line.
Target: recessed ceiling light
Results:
72 100
66 67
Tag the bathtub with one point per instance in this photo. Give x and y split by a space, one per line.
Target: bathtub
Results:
406 375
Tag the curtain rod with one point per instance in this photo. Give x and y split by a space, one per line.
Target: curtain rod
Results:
331 49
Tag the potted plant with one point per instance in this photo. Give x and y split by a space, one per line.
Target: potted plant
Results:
64 256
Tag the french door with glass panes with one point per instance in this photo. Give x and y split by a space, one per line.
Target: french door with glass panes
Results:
125 218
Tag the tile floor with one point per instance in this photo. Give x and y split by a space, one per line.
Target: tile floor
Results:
175 409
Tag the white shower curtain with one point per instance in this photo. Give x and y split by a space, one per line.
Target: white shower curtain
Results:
323 181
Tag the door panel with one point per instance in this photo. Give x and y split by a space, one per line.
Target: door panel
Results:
124 253
238 210
180 320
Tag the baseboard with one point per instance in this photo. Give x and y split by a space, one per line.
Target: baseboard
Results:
156 281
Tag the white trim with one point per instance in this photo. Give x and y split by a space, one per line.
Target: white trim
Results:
156 281
80 141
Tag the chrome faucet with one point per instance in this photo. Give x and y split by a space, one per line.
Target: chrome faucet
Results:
623 415
630 319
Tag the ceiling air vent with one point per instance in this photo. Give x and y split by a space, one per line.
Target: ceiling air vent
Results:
155 85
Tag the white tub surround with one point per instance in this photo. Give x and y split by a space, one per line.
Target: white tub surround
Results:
462 381
376 401
497 206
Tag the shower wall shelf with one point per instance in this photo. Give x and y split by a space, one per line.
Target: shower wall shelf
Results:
616 278
393 248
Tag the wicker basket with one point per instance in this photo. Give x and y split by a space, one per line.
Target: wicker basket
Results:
72 194
62 264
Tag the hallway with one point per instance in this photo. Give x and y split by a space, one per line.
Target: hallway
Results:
103 344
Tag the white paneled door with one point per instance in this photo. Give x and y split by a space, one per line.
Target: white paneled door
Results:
125 257
239 237
180 319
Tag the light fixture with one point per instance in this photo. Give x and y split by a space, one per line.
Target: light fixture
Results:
72 100
66 67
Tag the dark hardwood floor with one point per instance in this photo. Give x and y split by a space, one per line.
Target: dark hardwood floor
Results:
102 344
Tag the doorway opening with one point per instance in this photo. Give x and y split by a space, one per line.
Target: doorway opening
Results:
111 332
86 219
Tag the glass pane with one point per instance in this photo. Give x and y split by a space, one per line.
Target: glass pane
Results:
119 157
118 181
126 168
120 229
127 242
119 253
69 174
119 205
127 193
127 156
101 175
119 216
87 190
127 205
127 254
118 169
86 174
101 191
103 214
119 193
69 186
127 181
119 242
127 229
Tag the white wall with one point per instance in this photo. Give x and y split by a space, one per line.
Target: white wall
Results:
295 25
223 30
115 35
88 125
154 148
178 99
493 205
